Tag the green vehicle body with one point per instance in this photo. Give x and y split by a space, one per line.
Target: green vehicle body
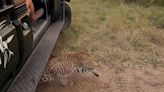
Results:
19 36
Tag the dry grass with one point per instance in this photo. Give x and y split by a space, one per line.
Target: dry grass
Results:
117 34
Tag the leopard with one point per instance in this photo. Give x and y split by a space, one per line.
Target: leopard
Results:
61 67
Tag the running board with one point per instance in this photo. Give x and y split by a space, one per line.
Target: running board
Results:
28 77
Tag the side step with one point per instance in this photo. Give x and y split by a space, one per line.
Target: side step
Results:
28 77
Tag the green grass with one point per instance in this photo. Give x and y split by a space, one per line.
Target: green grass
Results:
145 3
115 32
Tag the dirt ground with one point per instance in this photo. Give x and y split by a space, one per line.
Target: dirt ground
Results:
112 80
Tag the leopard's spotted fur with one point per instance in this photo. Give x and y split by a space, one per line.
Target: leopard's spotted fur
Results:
61 67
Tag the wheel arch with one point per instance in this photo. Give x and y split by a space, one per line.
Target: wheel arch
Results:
68 0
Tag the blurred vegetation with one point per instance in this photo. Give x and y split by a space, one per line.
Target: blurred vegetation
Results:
146 3
157 7
137 12
117 31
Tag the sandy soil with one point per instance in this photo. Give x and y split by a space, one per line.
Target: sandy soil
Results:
112 80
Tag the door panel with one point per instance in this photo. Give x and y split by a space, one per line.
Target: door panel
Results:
9 49
20 17
56 9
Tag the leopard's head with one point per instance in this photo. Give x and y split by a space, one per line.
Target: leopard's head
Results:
82 61
85 59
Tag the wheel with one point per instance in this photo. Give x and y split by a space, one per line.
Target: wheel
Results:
68 17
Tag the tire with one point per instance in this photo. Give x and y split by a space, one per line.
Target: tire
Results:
68 17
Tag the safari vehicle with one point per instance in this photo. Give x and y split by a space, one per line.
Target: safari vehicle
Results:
25 46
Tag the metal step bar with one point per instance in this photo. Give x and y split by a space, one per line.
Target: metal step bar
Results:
28 77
